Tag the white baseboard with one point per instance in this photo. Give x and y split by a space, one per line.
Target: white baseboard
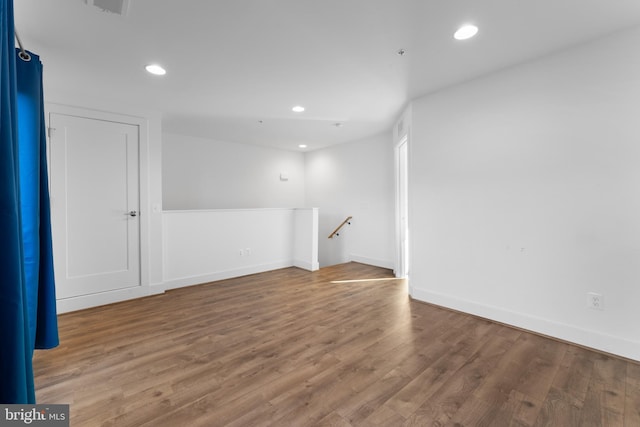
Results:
587 338
94 300
66 305
372 261
306 265
222 275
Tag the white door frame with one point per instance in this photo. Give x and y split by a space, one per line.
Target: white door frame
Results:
81 302
402 212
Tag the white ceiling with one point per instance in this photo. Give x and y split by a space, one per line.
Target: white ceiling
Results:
231 64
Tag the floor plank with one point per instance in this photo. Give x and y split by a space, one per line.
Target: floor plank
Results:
294 348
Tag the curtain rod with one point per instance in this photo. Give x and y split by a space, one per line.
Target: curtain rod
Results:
23 53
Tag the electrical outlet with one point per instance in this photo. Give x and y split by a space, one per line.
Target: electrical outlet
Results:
241 252
595 301
248 251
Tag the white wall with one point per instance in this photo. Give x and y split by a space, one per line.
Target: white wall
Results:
201 173
208 245
525 195
354 179
305 238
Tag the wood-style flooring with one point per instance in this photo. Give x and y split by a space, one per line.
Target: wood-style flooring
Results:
294 348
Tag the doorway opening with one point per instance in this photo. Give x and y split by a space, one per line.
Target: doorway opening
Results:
402 207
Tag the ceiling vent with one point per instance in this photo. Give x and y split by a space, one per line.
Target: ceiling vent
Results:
119 7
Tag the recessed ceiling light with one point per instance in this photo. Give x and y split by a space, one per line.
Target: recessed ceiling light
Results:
156 69
466 32
297 109
302 146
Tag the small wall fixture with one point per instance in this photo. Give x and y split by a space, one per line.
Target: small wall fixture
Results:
298 109
119 7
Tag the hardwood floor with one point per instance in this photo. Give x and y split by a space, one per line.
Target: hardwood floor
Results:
292 348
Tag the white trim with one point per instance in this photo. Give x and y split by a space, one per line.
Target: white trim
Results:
226 274
401 136
403 139
306 265
81 302
574 334
372 261
186 211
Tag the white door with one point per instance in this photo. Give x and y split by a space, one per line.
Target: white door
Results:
94 205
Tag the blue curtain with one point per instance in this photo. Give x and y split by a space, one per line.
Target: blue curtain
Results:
27 289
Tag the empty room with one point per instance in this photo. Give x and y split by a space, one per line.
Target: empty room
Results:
320 213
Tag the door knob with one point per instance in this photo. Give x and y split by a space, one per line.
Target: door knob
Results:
132 213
